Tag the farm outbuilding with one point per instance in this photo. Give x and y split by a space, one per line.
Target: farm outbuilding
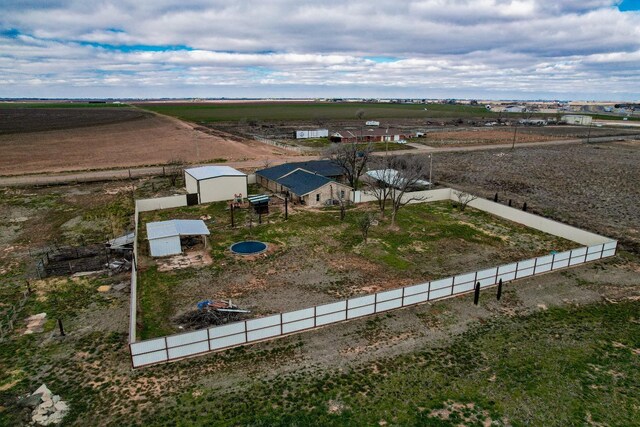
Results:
315 133
577 119
215 183
165 236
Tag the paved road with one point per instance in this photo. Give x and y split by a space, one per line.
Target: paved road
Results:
136 172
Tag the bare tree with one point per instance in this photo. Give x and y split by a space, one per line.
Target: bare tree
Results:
464 199
394 178
352 159
360 114
174 170
364 224
342 202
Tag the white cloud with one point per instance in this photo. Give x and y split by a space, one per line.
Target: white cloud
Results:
487 46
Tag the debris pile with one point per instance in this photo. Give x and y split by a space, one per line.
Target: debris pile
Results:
211 313
47 408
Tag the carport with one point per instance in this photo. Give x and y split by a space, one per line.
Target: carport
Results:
164 236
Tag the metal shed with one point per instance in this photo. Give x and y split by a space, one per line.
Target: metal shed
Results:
215 183
164 236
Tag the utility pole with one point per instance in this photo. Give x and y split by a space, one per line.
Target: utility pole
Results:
515 132
430 168
589 131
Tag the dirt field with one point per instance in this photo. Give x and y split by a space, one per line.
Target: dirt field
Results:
24 119
593 186
504 135
148 140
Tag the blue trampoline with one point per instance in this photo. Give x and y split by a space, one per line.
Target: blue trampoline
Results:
249 247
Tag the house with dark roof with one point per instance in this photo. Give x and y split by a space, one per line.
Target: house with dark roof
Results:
371 135
312 183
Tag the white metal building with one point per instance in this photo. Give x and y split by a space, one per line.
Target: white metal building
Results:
316 133
164 236
577 119
215 183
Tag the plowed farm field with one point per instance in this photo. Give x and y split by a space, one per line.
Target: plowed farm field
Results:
57 140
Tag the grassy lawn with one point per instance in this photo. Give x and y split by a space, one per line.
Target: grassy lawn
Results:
418 247
60 105
211 112
565 366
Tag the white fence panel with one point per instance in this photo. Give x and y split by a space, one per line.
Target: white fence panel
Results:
188 338
544 264
389 295
416 299
487 277
330 308
525 268
293 316
389 305
188 350
442 283
361 301
578 256
263 322
561 260
464 278
507 272
222 331
260 334
331 318
227 341
360 311
439 293
298 325
416 289
147 346
149 358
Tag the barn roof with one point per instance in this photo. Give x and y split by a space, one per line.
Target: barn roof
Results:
325 168
206 172
176 227
302 182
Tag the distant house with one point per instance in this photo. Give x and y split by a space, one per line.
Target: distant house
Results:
371 135
215 183
576 119
315 133
312 183
514 109
372 123
391 178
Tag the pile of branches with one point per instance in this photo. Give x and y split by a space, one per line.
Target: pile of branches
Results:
200 319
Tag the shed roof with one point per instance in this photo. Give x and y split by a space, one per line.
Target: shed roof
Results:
390 177
176 227
260 198
206 172
302 182
327 168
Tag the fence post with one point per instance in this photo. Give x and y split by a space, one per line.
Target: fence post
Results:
476 295
499 294
61 327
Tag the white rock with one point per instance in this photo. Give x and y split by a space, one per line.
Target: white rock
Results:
62 406
44 390
55 399
56 418
46 404
39 419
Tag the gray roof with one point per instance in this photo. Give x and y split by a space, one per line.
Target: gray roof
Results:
326 168
302 182
122 241
206 172
176 227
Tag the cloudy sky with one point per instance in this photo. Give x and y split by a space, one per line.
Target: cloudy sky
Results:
498 49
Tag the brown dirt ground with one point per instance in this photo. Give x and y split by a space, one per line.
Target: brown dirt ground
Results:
483 136
147 141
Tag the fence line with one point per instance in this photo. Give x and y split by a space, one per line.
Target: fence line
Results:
6 325
217 338
133 305
281 145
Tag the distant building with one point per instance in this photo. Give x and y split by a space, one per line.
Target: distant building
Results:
372 123
315 133
371 135
576 119
514 109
